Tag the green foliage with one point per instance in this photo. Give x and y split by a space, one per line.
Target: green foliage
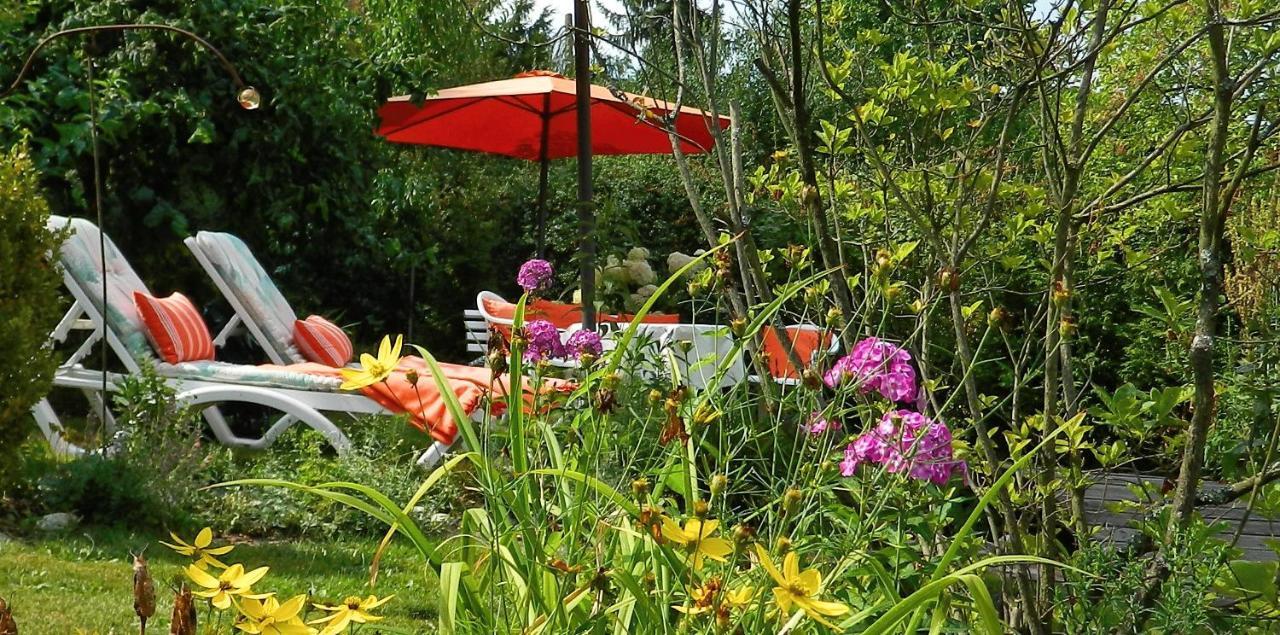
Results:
150 471
30 302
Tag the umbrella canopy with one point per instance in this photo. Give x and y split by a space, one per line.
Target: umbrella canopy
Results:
532 117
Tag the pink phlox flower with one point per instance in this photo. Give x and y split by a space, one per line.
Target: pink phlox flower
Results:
880 366
584 343
906 442
818 424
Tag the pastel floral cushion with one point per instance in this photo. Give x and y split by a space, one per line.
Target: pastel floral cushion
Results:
271 377
175 327
253 289
322 341
82 260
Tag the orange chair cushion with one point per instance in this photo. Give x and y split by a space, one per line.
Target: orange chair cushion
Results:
806 343
562 314
322 341
174 327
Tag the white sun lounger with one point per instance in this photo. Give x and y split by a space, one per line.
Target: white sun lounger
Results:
205 384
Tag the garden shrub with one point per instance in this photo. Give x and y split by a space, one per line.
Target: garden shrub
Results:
30 302
153 467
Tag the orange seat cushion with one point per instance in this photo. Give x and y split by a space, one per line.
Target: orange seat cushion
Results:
806 343
562 314
322 341
174 327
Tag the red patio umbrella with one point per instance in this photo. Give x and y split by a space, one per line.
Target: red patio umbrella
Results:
533 117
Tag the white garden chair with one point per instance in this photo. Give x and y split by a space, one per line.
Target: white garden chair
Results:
301 398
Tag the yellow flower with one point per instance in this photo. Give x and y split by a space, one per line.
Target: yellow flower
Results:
200 549
799 588
353 610
270 617
233 581
374 369
696 538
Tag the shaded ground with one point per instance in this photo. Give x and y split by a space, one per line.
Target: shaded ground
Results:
81 581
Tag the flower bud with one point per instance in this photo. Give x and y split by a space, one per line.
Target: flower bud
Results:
640 487
738 326
1061 294
835 318
700 508
948 279
743 535
718 484
812 379
998 317
791 501
1067 327
884 261
892 292
655 396
782 546
809 195
411 376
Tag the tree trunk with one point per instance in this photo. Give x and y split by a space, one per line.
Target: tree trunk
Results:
1200 357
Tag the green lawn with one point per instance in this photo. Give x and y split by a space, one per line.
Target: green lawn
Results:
81 581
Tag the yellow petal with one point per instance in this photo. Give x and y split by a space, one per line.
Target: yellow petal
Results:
232 573
204 538
394 357
253 608
184 550
221 601
810 580
372 602
783 598
768 565
384 348
177 540
200 577
290 608
219 551
791 566
827 608
249 579
698 529
740 596
715 548
671 531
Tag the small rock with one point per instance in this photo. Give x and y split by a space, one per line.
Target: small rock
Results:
61 521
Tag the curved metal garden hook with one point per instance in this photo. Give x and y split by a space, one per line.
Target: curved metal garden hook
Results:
247 95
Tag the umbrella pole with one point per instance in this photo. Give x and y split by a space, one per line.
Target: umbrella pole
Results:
543 167
586 212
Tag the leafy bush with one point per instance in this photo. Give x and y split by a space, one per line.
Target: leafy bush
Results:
151 471
30 302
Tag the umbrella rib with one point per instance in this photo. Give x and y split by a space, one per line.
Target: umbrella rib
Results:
644 120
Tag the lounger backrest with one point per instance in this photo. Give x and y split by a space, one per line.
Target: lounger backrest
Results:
82 260
253 289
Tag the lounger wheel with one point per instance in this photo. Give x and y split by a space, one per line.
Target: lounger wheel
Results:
294 411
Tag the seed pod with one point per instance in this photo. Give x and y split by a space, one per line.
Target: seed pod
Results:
835 318
701 508
7 625
183 621
812 379
718 484
743 535
144 592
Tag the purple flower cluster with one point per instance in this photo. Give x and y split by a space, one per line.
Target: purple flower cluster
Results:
878 365
544 341
584 343
909 442
535 275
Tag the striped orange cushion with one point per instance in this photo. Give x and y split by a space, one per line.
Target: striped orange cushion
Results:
322 341
174 327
